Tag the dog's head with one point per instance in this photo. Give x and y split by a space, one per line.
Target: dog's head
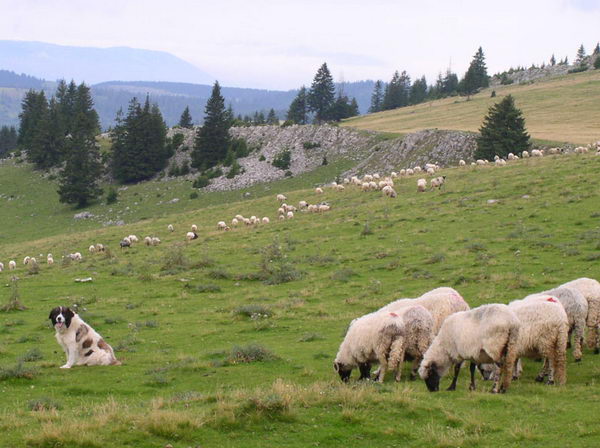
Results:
61 318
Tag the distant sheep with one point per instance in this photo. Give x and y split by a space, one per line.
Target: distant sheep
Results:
421 185
1 266
389 191
100 247
148 241
525 154
438 182
92 249
537 153
125 243
319 190
281 197
485 334
191 236
50 259
234 222
290 215
374 337
155 241
170 228
266 220
410 172
417 169
461 163
12 265
480 162
324 208
26 260
133 238
221 225
302 204
194 228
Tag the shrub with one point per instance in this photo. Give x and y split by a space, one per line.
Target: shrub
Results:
271 405
581 68
597 62
17 371
251 353
193 195
288 173
32 355
14 302
175 259
311 145
206 288
343 275
177 140
275 267
252 310
111 196
185 169
283 159
287 123
366 230
262 158
201 182
324 162
239 147
43 404
493 95
309 337
234 170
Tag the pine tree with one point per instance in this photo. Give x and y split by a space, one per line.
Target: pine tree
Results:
418 91
66 96
321 95
450 84
552 60
212 139
272 118
377 97
503 131
32 108
397 92
298 111
79 179
476 76
354 110
229 115
186 119
580 58
8 140
47 148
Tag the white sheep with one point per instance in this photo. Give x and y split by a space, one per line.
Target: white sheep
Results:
281 197
148 241
194 228
50 259
430 171
576 307
590 289
324 208
313 208
374 337
234 222
319 190
402 172
302 204
543 333
340 188
410 172
376 176
367 178
346 181
417 169
239 217
92 249
221 225
170 228
421 185
1 266
26 260
290 215
500 162
373 185
480 162
133 239
525 154
438 182
266 220
394 175
254 220
461 162
191 236
281 217
281 211
12 265
155 241
537 153
485 334
100 247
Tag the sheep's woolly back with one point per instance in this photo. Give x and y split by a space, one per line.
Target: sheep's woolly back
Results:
440 302
366 335
482 335
590 289
418 330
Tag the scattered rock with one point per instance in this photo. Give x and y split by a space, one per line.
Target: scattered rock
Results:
83 280
492 201
525 196
173 201
83 215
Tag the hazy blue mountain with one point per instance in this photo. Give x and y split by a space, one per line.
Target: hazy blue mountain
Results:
94 65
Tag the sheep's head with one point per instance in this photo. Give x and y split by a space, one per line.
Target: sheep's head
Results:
343 371
430 373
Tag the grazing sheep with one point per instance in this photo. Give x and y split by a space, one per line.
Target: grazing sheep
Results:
346 181
590 289
438 182
155 241
319 190
280 211
340 188
1 266
324 208
421 185
125 242
367 178
26 260
302 204
100 247
376 176
170 228
402 172
389 191
148 241
234 222
537 153
485 334
511 156
576 307
290 215
374 337
394 175
50 259
410 172
133 238
248 222
441 303
221 225
417 169
500 162
313 208
430 171
543 333
281 197
461 162
33 262
191 236
281 217
239 217
12 265
480 162
525 154
266 220
194 228
92 249
254 220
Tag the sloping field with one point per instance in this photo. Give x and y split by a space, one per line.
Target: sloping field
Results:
229 340
563 109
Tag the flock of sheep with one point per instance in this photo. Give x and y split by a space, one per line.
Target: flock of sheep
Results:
438 331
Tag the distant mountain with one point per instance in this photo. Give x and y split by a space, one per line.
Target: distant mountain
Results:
95 65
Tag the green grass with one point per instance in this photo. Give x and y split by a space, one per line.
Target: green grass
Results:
213 355
562 109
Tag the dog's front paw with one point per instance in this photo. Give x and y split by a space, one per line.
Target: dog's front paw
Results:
66 366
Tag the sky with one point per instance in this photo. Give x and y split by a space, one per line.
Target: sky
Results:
280 44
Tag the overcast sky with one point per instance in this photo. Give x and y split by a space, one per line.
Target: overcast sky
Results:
279 44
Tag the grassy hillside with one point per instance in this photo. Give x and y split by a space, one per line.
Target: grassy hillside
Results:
181 316
563 109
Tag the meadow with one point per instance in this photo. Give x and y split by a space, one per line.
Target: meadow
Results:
561 109
229 340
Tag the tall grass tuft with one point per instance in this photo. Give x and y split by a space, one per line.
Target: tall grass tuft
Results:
14 300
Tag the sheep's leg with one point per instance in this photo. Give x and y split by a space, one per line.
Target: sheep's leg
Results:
365 370
396 357
546 371
577 348
472 367
414 368
455 379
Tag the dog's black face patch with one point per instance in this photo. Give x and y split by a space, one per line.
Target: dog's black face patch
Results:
61 317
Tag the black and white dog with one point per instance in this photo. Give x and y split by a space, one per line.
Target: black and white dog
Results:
82 345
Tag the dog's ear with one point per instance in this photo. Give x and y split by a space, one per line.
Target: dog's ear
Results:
68 313
53 313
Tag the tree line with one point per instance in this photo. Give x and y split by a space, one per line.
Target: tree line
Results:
8 140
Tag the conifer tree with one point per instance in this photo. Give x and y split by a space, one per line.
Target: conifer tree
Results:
32 108
397 92
580 58
377 97
79 179
354 110
321 95
272 118
66 96
552 60
186 119
298 111
212 139
418 91
47 147
503 131
8 140
476 76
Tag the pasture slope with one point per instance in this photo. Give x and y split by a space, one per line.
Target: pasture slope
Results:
229 340
561 109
